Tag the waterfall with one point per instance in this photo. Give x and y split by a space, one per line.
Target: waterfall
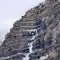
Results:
30 51
30 47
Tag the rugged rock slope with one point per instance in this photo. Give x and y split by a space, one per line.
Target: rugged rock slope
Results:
36 36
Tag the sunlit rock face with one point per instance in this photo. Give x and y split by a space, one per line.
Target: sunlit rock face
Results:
36 36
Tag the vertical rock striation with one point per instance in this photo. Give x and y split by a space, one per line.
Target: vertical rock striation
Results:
36 36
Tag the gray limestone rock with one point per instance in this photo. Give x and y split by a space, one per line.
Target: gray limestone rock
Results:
36 36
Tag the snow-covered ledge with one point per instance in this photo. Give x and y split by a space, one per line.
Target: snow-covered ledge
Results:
44 57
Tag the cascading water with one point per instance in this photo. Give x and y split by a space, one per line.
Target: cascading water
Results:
30 47
30 51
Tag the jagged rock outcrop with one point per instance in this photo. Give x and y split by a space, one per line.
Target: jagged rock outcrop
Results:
36 36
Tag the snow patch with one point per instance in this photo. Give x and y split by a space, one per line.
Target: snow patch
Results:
44 57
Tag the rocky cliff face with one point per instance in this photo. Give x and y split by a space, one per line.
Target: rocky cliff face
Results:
36 36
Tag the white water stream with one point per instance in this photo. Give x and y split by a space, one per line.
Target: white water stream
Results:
30 47
44 57
30 51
